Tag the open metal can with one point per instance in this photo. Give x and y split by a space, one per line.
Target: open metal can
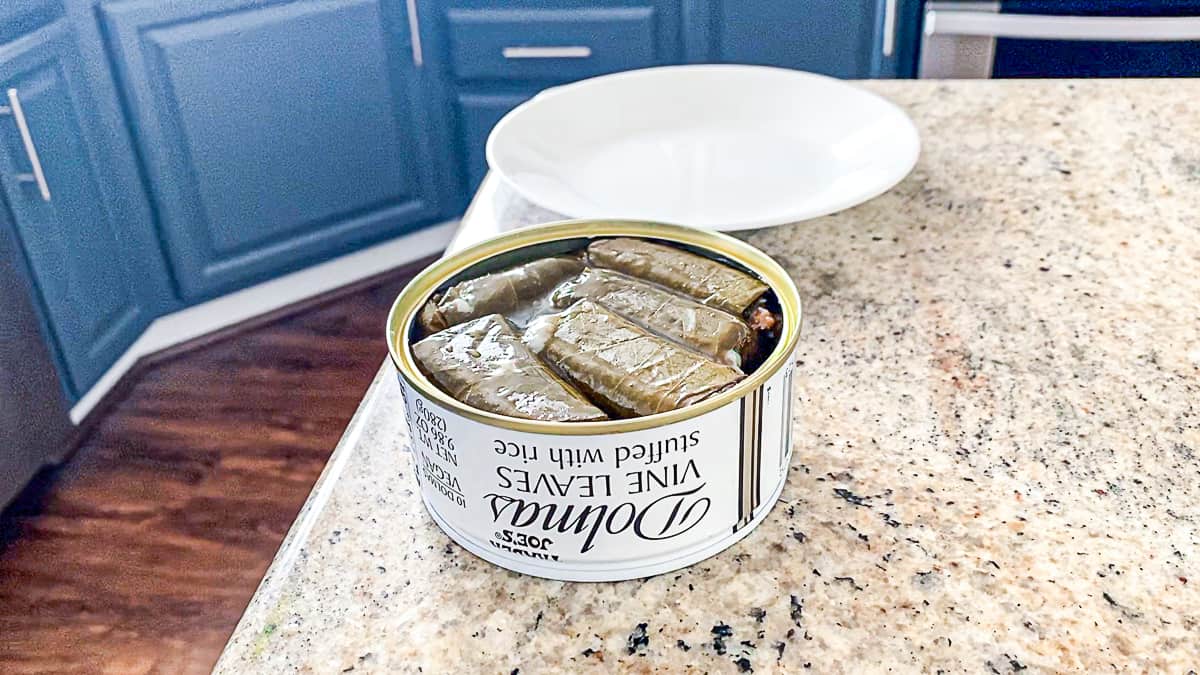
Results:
609 500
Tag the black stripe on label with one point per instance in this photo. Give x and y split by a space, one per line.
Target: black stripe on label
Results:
750 458
758 443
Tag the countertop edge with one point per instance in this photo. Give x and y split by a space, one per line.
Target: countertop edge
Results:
277 573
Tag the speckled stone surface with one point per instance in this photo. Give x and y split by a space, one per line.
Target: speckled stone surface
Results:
996 464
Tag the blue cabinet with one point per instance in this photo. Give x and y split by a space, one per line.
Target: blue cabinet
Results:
21 17
76 242
493 55
275 135
848 39
194 148
478 113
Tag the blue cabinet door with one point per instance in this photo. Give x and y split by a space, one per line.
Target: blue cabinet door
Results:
276 134
849 39
478 113
75 241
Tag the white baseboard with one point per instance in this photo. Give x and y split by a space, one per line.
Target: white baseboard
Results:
190 323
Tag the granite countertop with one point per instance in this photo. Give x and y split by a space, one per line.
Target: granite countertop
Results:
997 447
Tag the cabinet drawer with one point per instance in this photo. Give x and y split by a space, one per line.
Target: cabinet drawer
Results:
550 44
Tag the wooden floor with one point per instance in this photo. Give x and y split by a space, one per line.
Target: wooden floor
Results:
139 555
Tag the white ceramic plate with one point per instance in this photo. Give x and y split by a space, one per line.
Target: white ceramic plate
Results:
725 147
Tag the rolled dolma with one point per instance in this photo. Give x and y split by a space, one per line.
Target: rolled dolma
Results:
708 330
484 364
712 283
497 293
621 366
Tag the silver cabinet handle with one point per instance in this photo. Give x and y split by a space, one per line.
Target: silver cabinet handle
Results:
414 33
572 52
14 108
1046 27
889 27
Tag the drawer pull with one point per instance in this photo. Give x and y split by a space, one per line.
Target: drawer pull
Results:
889 28
14 108
573 52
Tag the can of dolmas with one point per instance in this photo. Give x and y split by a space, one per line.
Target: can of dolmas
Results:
599 500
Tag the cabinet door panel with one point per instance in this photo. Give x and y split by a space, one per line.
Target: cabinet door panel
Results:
478 113
834 37
21 17
274 134
72 242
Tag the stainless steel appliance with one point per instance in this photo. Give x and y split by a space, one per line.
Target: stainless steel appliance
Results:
1060 38
34 424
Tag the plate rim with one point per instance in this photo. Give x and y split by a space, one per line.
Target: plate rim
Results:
799 215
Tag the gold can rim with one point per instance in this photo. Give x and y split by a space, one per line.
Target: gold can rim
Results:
410 300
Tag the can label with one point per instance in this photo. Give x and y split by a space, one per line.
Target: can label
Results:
602 500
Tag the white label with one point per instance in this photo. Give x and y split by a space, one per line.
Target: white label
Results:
609 498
